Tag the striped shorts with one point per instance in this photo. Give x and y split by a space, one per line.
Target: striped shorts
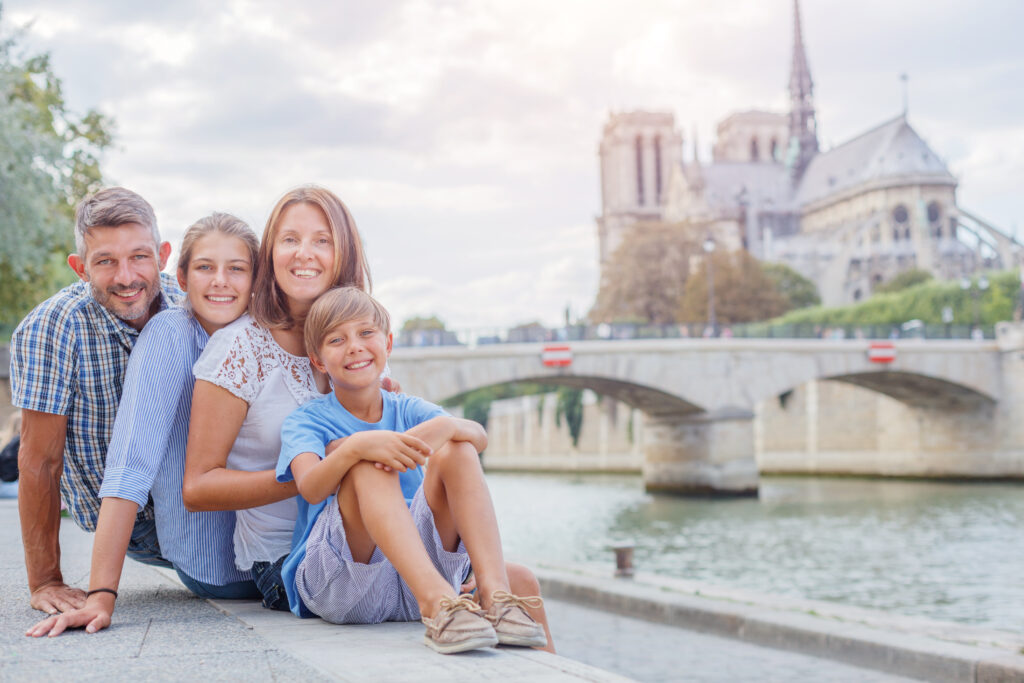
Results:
338 589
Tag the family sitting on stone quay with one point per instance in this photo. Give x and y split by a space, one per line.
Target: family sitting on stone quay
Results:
234 423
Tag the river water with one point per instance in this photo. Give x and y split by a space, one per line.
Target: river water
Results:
953 552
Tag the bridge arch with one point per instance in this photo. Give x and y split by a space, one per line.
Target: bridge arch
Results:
652 401
919 391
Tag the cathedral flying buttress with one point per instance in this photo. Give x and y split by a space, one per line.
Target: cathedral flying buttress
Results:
849 218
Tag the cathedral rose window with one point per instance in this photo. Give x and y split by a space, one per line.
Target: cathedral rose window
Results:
899 214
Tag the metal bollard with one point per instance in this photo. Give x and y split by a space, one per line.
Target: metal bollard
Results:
624 560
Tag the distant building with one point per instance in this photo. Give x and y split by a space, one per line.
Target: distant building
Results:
848 218
639 150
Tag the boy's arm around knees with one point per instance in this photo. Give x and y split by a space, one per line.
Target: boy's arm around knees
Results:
318 478
438 431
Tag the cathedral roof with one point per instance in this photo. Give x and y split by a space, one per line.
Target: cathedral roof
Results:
766 184
890 151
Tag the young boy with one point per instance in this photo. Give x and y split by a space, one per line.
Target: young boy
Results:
383 538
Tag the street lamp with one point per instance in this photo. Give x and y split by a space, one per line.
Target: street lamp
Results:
976 292
709 249
1018 310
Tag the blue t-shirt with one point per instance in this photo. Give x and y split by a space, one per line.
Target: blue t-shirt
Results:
308 430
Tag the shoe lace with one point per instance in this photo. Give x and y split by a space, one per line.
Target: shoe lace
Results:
504 597
464 601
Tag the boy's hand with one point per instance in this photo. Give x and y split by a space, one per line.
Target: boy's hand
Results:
390 384
394 450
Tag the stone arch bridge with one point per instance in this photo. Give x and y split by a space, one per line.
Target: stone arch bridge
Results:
699 395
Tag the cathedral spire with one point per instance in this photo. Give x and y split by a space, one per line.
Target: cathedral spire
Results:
803 132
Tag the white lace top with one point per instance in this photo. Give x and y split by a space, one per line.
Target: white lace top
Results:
245 359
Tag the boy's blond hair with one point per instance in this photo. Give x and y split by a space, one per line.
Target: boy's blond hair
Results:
337 306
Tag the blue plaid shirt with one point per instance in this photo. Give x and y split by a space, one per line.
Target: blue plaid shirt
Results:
68 357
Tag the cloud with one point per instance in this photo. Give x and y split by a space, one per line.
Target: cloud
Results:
463 133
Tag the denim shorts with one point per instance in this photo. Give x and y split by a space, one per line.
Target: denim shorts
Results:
267 576
144 546
238 590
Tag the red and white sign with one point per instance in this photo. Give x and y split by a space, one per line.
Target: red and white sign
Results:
882 352
556 356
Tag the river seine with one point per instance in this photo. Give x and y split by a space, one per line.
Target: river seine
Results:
944 551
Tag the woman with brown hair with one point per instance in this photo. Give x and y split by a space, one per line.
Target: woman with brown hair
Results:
255 372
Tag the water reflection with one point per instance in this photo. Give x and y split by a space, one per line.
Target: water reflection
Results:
944 551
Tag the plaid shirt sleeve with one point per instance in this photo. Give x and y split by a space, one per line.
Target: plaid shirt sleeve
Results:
44 361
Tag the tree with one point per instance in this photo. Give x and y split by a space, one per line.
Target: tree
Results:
904 280
420 331
645 277
528 332
476 404
49 160
418 323
924 302
743 292
570 406
798 291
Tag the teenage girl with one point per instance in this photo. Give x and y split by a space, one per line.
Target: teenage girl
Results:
215 269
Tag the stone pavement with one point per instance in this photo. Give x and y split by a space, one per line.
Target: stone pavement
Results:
777 628
649 651
161 632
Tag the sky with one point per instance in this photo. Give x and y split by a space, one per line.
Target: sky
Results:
463 134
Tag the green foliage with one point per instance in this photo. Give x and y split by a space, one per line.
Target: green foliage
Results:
477 407
417 323
743 292
570 406
796 290
476 404
922 302
904 280
49 160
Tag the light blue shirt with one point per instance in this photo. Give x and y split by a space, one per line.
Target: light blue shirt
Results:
147 451
308 430
68 357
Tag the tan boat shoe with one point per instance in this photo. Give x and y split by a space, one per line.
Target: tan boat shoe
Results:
511 622
458 626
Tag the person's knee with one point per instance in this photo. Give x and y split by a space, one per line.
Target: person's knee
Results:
522 580
365 475
459 453
366 470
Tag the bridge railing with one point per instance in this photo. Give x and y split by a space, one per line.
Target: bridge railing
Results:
537 334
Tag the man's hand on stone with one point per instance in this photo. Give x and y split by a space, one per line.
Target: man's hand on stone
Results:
57 597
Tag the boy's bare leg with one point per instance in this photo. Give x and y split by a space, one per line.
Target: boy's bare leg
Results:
523 582
374 513
457 493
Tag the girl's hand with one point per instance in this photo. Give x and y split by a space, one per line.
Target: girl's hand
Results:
390 450
94 616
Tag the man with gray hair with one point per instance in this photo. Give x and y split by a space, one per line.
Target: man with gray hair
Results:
68 358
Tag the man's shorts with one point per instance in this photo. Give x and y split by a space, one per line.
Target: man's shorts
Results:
340 590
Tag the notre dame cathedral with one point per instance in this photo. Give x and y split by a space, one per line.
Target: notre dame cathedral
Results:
849 218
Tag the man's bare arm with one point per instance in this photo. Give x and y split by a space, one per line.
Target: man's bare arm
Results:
40 462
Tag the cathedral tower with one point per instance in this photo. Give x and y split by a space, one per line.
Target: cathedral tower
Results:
803 128
638 151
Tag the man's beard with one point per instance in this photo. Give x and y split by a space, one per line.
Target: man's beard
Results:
124 310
